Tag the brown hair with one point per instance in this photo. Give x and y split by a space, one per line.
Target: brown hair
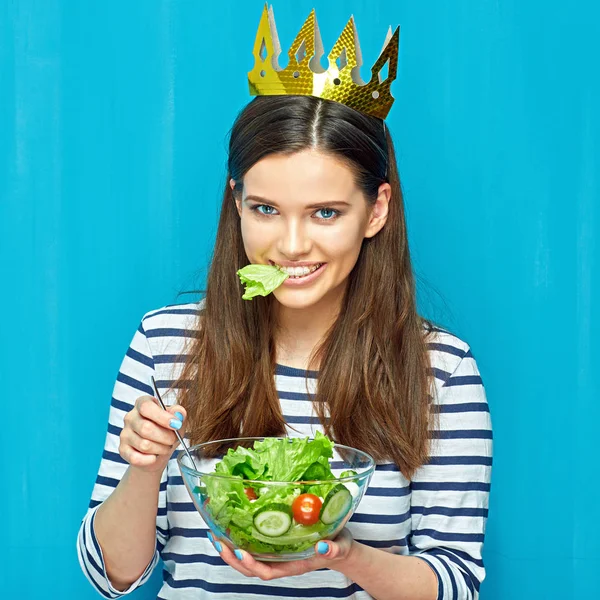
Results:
373 388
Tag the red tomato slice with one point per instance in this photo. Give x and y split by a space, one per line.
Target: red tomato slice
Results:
306 509
250 493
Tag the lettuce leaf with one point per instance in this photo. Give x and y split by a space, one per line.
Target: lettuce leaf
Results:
319 470
225 495
244 462
288 459
260 280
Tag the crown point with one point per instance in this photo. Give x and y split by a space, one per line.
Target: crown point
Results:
304 75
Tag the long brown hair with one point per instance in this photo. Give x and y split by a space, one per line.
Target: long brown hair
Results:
373 388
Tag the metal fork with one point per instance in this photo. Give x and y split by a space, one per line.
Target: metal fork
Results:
175 430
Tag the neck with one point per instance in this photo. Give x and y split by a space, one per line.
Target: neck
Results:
300 330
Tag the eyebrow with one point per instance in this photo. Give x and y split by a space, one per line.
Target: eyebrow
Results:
317 205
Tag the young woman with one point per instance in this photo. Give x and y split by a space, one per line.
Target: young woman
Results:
312 187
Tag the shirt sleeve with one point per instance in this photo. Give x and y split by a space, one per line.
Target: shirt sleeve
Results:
133 380
450 494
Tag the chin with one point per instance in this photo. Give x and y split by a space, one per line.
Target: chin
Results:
295 299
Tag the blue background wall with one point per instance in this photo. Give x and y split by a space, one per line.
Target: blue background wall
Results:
112 147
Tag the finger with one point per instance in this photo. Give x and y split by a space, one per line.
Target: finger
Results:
230 558
145 445
179 413
334 549
268 571
327 549
135 458
149 430
148 407
291 568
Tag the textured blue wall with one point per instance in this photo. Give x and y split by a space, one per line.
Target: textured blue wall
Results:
113 118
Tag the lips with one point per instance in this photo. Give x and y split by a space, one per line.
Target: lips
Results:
298 263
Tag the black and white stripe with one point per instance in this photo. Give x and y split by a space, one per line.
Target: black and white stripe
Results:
439 516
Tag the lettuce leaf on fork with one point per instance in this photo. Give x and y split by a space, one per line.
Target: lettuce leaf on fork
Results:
261 280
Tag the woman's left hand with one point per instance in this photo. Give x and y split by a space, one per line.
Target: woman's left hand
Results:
328 553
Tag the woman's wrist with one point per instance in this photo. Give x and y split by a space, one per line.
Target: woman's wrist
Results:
144 477
379 573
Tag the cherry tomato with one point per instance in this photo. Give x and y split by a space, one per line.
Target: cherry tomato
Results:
306 509
250 493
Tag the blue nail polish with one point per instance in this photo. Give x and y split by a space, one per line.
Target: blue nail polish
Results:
175 423
238 554
209 535
179 416
322 547
218 547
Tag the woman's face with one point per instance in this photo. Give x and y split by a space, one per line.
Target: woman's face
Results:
304 212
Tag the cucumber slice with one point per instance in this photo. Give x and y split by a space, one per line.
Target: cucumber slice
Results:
273 520
336 505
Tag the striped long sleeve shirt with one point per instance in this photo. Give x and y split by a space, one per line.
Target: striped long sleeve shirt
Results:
439 515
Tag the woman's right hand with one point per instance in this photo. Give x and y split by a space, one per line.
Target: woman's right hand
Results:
148 438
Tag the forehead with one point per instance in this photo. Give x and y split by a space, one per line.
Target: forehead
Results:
302 175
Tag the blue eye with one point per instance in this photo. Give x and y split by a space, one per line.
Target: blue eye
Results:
329 214
269 210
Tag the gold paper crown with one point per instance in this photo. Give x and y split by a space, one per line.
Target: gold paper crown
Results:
304 75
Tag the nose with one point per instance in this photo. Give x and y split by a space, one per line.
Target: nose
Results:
294 241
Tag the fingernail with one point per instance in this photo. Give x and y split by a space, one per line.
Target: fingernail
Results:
218 547
175 423
209 535
179 416
322 547
238 554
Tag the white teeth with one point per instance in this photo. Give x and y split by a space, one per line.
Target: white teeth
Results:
300 271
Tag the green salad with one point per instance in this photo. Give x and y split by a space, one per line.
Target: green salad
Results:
261 280
261 516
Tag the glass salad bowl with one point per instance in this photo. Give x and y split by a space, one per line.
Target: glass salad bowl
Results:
276 497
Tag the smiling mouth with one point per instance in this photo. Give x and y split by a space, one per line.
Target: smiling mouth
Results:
299 272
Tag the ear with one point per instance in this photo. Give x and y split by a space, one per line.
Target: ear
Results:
238 200
379 211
